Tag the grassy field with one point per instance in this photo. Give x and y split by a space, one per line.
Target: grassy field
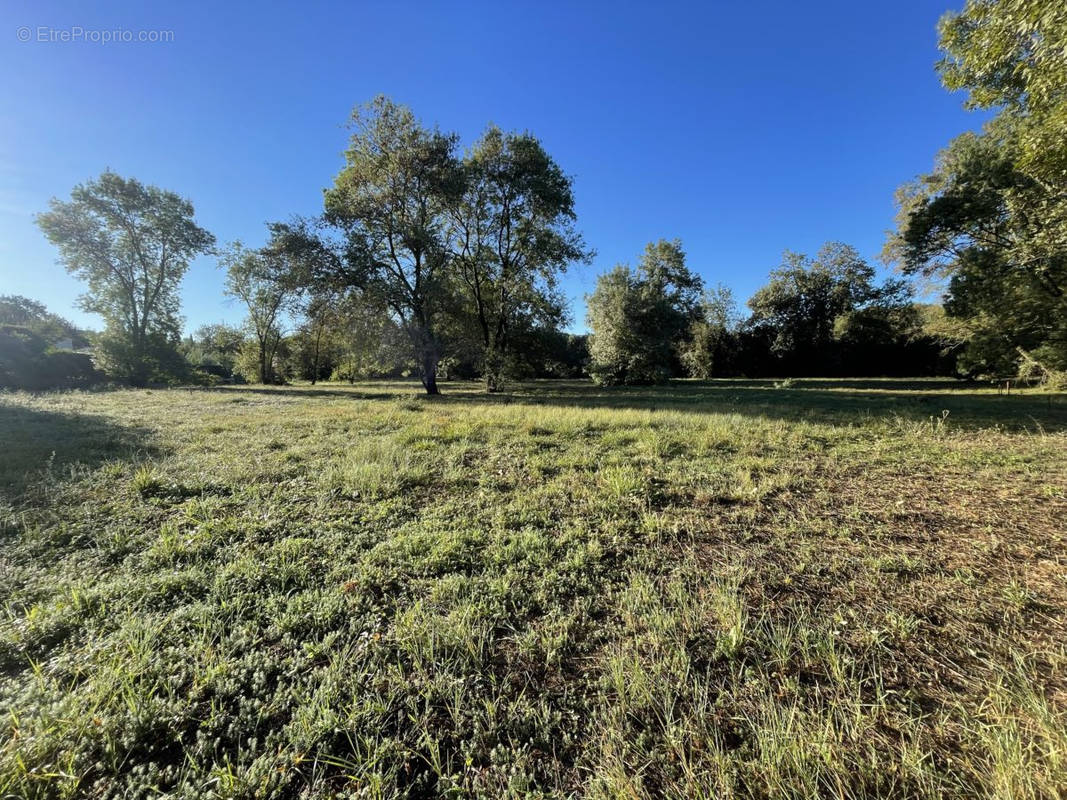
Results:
733 589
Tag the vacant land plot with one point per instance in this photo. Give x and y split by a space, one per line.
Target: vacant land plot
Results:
825 588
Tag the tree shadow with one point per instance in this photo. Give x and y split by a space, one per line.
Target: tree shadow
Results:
836 401
862 384
364 390
42 446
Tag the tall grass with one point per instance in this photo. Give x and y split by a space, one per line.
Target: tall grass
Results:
705 590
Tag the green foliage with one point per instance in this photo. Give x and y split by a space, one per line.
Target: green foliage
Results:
821 316
991 219
810 305
269 282
348 335
315 342
391 202
546 352
213 349
712 348
32 315
28 360
512 236
1012 55
640 316
155 358
464 254
1032 370
131 244
982 225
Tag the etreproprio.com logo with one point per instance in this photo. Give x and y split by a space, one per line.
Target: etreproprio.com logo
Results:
76 33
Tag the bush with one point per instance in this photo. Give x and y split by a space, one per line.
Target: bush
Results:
157 360
64 370
27 363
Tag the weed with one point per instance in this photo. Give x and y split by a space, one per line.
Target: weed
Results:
146 481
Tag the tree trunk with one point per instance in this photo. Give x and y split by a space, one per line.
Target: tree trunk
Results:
315 365
493 372
429 375
266 367
426 356
139 367
428 359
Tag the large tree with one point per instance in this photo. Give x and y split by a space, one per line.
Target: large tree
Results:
131 244
513 236
640 317
978 224
392 202
991 219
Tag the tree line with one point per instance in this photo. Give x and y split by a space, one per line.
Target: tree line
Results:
821 316
437 261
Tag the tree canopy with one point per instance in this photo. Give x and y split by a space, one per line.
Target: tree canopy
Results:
800 306
990 220
640 316
391 201
131 244
513 235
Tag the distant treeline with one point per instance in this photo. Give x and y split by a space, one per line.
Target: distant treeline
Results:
430 260
815 317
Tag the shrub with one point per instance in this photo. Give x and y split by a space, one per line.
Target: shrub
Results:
27 363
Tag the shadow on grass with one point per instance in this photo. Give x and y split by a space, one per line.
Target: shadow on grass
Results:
823 400
40 446
836 402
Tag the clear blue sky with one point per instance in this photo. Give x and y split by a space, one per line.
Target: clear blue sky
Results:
742 128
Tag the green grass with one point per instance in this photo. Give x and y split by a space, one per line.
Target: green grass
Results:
724 589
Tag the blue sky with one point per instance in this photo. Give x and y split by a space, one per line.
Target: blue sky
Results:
741 128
